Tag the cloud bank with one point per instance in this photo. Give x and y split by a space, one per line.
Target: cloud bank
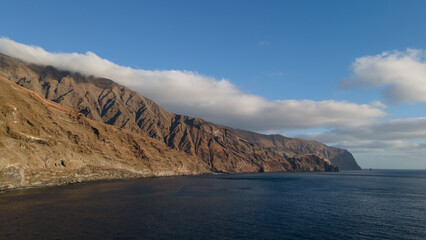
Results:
402 75
357 127
399 134
193 94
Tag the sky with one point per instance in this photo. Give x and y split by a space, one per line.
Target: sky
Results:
350 74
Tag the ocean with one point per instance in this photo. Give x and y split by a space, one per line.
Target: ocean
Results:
378 204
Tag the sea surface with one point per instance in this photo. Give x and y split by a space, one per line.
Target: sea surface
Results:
383 204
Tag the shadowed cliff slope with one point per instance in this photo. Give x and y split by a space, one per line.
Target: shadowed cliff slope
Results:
222 148
341 158
43 143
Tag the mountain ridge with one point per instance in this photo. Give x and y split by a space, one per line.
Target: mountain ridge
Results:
104 100
43 143
222 148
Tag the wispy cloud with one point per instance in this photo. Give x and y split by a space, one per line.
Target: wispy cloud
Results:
264 43
193 94
402 75
398 143
275 74
380 135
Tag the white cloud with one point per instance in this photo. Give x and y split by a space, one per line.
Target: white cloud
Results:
384 135
353 126
193 94
402 75
399 143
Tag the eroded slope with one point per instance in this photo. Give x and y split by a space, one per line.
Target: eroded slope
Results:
222 148
43 143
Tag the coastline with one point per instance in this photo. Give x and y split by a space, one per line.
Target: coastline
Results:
62 182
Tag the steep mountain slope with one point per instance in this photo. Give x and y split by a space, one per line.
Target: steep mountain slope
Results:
290 146
43 143
221 148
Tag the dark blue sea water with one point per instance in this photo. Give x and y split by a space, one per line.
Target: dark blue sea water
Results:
383 204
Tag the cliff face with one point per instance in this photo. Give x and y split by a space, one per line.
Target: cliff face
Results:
338 157
220 148
43 143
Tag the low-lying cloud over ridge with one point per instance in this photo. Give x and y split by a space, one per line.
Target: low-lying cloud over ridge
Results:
357 127
401 74
398 134
376 144
187 92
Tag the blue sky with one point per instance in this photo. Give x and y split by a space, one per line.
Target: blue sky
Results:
277 50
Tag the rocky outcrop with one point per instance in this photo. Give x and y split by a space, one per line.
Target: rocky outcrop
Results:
43 143
338 157
220 148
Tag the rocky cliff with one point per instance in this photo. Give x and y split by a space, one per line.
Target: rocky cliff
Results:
341 158
220 148
44 143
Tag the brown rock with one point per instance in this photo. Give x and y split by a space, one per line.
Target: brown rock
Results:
220 148
43 143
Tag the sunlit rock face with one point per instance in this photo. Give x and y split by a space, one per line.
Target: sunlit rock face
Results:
43 143
118 111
